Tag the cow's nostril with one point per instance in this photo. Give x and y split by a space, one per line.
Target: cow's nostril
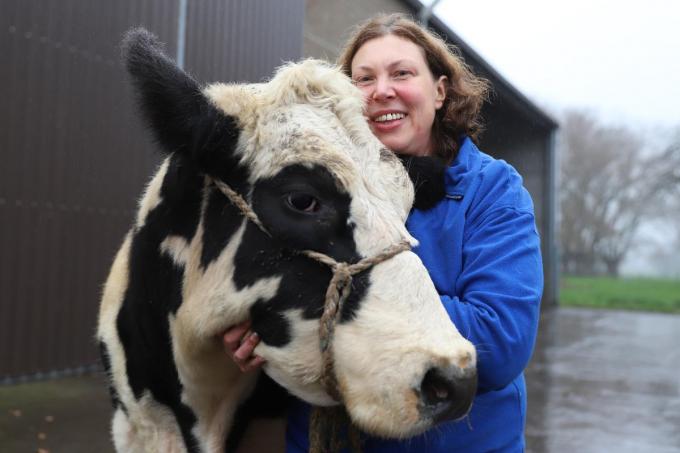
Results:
435 387
447 393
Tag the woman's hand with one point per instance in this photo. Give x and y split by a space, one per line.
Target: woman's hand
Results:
239 342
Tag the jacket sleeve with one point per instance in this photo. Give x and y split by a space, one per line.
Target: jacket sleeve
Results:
499 292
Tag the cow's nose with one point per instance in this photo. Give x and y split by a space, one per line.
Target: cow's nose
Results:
447 393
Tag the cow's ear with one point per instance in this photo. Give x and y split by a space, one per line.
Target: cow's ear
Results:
427 175
180 116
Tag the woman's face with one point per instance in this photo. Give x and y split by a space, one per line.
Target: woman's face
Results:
402 95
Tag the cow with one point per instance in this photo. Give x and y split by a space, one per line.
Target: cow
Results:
257 179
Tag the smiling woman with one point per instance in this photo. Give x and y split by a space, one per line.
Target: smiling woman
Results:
422 97
404 95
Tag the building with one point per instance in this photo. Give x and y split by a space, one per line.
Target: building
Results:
75 155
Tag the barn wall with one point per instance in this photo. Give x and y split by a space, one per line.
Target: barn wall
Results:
328 22
240 40
75 157
520 143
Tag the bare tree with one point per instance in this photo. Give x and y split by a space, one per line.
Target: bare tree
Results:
666 169
608 187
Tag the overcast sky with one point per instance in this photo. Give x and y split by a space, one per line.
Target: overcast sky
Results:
620 59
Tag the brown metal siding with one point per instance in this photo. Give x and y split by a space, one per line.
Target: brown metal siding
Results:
222 46
75 157
71 169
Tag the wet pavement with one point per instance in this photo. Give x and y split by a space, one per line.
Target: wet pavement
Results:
605 381
599 382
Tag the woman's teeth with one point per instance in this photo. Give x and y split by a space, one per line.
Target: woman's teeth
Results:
389 117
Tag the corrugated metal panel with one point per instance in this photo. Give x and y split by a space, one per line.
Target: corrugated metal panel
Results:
74 161
242 41
75 157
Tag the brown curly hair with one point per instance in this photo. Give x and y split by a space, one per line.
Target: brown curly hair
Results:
465 93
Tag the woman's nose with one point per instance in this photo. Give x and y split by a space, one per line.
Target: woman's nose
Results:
383 89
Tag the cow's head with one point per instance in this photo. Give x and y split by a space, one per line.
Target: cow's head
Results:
299 151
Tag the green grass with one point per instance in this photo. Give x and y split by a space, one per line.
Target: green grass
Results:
646 294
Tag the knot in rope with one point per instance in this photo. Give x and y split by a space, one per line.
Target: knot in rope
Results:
337 293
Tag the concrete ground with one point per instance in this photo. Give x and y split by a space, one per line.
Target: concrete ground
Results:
68 415
605 381
600 381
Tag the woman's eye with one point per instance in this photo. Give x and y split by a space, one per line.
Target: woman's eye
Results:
402 74
303 202
362 80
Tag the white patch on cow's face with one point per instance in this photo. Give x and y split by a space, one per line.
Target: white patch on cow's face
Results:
304 114
177 248
297 366
211 300
152 194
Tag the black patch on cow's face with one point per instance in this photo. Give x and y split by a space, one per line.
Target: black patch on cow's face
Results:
427 175
278 201
221 218
324 228
271 324
155 291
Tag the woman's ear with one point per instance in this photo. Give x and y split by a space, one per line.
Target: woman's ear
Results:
440 95
427 175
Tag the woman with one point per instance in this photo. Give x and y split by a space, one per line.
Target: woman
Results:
479 244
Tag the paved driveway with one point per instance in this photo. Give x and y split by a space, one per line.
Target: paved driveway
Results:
605 381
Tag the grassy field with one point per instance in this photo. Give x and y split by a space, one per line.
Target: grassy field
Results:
624 293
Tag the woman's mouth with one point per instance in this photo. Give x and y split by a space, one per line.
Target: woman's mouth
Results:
387 122
387 117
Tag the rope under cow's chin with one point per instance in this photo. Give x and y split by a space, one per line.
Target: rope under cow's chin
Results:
326 424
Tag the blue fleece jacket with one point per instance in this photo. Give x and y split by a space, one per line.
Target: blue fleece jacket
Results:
482 250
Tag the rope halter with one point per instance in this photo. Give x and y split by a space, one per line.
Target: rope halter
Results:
337 292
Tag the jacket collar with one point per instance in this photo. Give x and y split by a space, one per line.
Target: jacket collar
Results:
466 163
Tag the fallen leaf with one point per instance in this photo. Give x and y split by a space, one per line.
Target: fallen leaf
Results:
42 436
43 450
16 413
49 419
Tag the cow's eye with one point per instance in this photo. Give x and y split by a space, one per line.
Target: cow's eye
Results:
302 202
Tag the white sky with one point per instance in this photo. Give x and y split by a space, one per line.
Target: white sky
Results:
619 59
